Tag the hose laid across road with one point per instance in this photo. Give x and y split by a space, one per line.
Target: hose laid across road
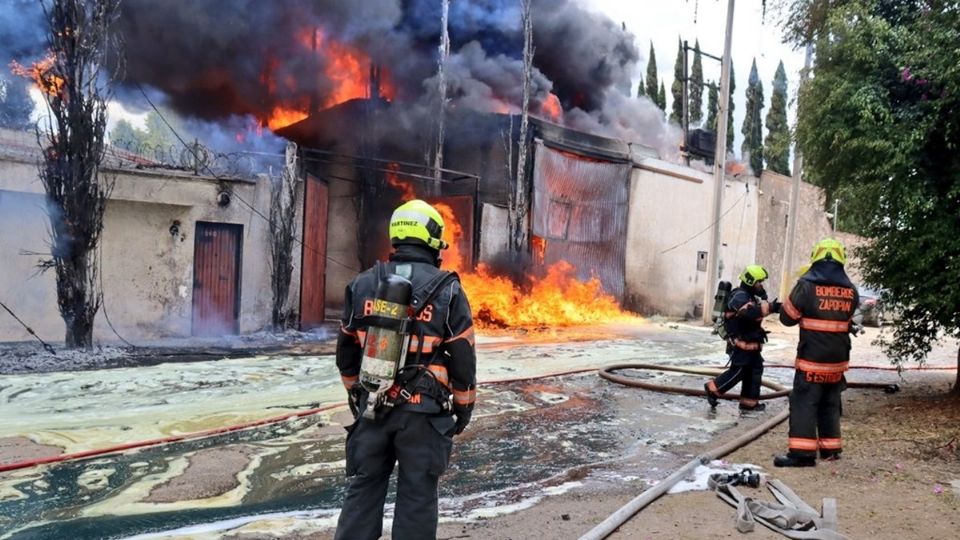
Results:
618 518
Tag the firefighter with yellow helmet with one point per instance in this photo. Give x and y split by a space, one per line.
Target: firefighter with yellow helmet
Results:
745 309
822 303
406 357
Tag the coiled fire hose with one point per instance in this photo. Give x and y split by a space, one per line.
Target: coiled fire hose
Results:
621 516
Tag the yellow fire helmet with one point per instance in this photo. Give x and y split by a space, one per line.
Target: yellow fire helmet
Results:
419 222
753 274
828 249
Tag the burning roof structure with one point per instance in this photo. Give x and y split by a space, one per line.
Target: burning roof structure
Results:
360 80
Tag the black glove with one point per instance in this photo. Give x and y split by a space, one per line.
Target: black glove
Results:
354 398
463 415
775 305
762 293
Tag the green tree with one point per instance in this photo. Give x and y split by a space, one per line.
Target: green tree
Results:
733 87
662 98
641 91
695 88
752 129
776 147
878 119
155 140
713 104
15 103
676 88
652 84
125 135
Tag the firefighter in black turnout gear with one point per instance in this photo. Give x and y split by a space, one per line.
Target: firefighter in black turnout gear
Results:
822 303
412 422
746 307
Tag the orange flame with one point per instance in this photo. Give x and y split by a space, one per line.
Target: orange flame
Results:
557 299
41 73
346 67
452 235
551 107
283 116
407 192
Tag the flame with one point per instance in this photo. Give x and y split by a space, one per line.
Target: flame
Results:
557 299
736 167
347 68
407 193
41 73
452 235
283 116
551 107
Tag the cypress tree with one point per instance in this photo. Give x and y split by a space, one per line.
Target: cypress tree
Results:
695 88
776 147
676 88
713 105
733 86
662 98
641 91
752 129
652 75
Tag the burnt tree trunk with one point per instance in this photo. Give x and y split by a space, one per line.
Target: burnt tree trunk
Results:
76 92
282 221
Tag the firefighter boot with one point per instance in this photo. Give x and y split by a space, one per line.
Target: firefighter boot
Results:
793 460
830 455
757 407
711 397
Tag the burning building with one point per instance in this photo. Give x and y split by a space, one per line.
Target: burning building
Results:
613 220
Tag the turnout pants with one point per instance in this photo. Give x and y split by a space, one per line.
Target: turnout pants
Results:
421 444
745 366
814 417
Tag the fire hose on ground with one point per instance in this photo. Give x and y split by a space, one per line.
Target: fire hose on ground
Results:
627 511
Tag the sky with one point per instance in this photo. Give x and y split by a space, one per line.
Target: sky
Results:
754 36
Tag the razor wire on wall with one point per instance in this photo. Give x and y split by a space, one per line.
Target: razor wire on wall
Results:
196 159
580 211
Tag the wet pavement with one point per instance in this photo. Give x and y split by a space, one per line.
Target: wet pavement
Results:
529 438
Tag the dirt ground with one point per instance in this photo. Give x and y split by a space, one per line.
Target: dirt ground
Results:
899 477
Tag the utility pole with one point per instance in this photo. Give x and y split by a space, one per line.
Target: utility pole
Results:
836 208
788 249
684 121
442 90
719 166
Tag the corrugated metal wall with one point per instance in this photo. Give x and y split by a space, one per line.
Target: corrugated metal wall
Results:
580 209
216 278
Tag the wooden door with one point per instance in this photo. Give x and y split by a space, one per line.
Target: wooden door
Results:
313 274
216 278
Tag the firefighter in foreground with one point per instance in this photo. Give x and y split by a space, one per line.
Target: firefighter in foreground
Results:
744 311
406 357
822 302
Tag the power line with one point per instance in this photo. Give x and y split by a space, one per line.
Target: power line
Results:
727 211
233 193
29 330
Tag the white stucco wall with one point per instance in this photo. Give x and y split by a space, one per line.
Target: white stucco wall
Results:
147 272
669 223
